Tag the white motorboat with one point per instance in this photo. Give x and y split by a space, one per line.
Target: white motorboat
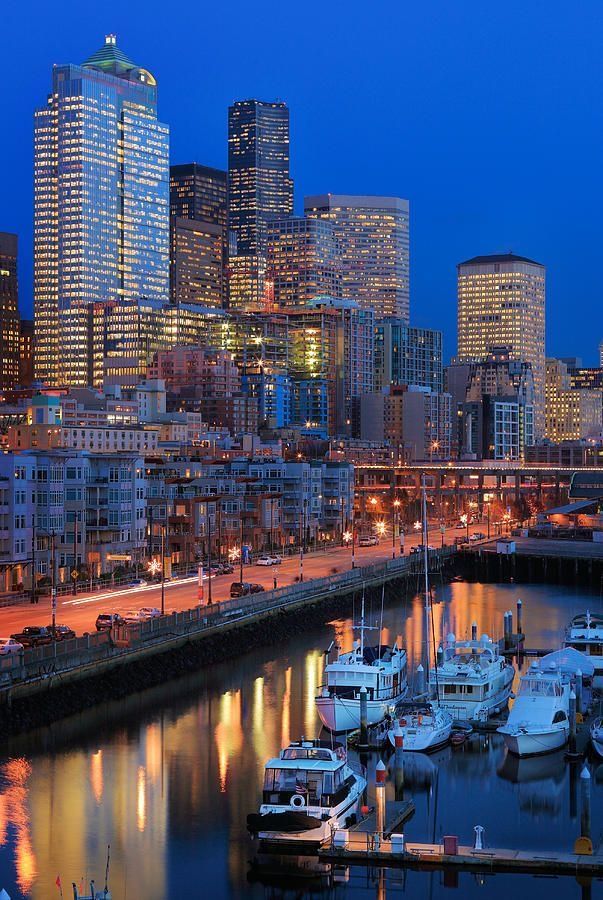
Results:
596 736
382 670
539 720
471 678
309 792
585 633
424 727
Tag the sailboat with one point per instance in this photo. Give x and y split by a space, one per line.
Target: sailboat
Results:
423 725
381 670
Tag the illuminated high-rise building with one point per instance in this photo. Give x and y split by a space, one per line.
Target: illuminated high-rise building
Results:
303 261
198 254
372 234
571 413
259 189
9 312
501 302
101 206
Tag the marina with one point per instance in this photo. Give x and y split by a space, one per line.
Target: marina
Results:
170 774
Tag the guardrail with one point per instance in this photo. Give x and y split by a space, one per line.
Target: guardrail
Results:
62 656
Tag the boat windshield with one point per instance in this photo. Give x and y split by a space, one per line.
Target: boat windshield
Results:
539 687
306 753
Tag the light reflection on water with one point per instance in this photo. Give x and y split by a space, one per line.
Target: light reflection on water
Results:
168 777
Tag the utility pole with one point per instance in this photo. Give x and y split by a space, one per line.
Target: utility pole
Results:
75 536
53 585
163 569
209 601
241 548
33 559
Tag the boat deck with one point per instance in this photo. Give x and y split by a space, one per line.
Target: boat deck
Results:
361 849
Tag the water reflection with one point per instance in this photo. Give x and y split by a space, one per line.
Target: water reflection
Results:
167 777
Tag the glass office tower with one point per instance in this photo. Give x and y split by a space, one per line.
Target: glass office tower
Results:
9 312
101 207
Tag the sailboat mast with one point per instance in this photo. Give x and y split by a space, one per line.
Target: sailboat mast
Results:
362 627
426 573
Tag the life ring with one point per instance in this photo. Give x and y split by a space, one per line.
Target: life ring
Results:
297 801
402 723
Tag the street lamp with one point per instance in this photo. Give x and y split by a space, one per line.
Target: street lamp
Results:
380 528
395 509
465 521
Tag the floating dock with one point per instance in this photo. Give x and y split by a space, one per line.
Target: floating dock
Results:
360 850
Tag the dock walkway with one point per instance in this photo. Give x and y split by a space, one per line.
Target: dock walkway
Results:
358 851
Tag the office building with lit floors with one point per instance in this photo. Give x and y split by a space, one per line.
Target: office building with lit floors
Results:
372 235
9 312
259 189
407 355
571 413
501 303
101 207
302 261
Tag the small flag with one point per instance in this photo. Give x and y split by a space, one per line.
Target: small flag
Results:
300 787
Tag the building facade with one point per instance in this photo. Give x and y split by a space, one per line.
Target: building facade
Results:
501 303
372 234
9 313
302 261
101 206
259 189
406 355
571 413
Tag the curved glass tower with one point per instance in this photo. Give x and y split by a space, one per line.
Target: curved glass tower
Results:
101 209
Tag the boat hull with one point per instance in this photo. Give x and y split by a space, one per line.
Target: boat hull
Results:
318 830
422 739
534 742
339 714
476 711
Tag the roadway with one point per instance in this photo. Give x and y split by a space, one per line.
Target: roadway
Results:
80 612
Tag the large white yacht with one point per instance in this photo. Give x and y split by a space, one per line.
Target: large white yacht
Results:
585 633
471 678
539 720
382 670
309 792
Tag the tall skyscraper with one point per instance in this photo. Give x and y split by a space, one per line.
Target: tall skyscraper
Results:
302 262
501 303
197 273
373 242
101 207
259 189
9 312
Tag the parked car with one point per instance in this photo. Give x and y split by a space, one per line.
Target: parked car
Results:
459 526
106 621
256 588
136 582
135 617
479 536
240 589
264 561
227 569
10 645
61 632
420 548
33 636
276 560
369 540
150 612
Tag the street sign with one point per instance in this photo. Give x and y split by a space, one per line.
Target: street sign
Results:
119 557
74 573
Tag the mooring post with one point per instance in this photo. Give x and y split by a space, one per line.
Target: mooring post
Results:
420 673
399 762
519 618
578 691
585 802
363 719
572 717
380 773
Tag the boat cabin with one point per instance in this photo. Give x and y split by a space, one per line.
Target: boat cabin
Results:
381 670
316 771
585 634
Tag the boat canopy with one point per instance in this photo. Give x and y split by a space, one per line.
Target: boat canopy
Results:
568 661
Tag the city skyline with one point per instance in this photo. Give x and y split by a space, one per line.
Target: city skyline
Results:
501 218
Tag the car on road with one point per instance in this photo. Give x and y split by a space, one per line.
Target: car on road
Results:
267 560
61 632
136 582
368 540
10 645
477 536
106 621
243 588
459 526
420 548
150 612
135 617
33 636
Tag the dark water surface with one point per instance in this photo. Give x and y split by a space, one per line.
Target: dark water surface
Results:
167 777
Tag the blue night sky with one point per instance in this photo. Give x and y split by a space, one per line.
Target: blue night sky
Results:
486 116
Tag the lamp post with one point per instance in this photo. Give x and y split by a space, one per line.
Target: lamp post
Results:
209 601
465 521
53 584
395 508
241 550
163 569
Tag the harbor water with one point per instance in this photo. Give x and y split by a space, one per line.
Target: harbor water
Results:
168 776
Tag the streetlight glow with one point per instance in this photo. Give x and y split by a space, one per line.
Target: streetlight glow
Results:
154 567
